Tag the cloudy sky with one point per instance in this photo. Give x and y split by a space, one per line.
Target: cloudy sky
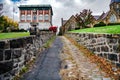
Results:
61 8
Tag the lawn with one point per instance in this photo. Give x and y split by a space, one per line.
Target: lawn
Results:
106 29
13 35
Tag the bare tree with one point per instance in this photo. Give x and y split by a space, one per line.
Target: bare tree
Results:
85 18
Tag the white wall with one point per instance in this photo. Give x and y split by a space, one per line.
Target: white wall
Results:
44 25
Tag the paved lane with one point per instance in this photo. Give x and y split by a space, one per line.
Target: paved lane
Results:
47 65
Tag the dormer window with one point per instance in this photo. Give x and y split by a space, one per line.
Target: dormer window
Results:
117 5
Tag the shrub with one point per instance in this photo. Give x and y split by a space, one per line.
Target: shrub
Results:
53 28
100 24
18 30
114 24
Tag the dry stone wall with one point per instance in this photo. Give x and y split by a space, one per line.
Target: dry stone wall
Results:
15 53
103 45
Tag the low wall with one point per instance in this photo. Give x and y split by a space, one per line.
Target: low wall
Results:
15 53
104 45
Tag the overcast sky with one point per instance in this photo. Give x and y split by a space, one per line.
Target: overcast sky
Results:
61 8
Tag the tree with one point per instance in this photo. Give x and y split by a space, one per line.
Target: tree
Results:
7 23
85 18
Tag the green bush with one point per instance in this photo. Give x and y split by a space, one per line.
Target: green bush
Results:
100 24
114 24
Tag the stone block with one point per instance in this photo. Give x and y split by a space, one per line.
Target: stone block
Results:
113 57
1 55
108 35
100 55
15 65
4 44
17 53
116 48
105 56
8 54
29 40
98 49
17 43
6 67
93 41
104 49
118 65
112 41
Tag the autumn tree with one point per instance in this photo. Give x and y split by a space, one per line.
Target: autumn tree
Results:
7 24
85 18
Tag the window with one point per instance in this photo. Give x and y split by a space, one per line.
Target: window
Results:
117 5
28 17
40 12
22 17
28 12
46 17
34 17
22 12
113 18
40 17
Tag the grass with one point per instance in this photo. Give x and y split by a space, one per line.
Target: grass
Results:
106 29
49 42
13 35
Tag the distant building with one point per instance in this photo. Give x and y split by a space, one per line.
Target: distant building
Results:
113 15
35 15
68 25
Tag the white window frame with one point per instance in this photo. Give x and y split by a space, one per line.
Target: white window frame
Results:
40 17
46 17
34 16
22 17
28 17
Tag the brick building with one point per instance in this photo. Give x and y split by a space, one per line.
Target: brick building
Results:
35 15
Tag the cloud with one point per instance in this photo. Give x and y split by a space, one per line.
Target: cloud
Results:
63 8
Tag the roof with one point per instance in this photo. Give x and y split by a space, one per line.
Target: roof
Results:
103 15
36 7
112 1
44 5
96 17
64 21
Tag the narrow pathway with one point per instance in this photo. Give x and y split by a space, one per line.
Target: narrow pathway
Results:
85 69
47 66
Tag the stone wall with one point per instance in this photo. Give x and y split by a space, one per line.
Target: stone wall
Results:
103 45
15 53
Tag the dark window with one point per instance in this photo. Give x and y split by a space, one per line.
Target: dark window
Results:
34 17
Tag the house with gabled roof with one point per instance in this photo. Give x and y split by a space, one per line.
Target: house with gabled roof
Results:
113 15
69 24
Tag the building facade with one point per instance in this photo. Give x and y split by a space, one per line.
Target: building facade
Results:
68 25
35 15
113 15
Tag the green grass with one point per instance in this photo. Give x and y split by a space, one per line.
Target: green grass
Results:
49 42
106 29
13 35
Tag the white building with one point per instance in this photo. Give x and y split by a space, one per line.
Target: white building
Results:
35 15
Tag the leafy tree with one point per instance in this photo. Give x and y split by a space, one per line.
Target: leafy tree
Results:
85 18
7 23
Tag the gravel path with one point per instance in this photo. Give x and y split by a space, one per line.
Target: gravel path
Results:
87 70
47 66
